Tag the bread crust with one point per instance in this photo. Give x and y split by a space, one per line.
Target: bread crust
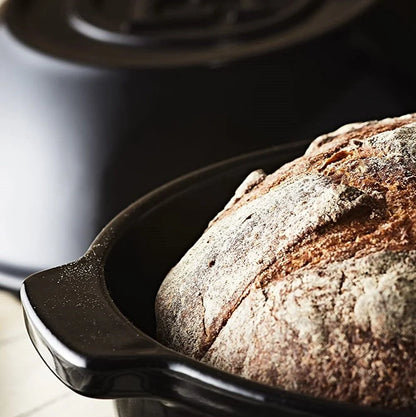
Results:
307 279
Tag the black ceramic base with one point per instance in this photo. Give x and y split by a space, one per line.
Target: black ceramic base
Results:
138 407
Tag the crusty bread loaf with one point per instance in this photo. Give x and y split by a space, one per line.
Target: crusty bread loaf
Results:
307 279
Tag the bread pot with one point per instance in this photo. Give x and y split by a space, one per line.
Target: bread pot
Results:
92 320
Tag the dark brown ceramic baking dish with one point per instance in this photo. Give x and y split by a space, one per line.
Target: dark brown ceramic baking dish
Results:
92 320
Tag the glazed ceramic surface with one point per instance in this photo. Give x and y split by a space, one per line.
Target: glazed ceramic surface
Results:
92 321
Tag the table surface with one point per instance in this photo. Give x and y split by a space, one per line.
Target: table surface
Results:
27 387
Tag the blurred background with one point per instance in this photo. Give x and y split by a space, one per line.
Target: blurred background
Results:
104 100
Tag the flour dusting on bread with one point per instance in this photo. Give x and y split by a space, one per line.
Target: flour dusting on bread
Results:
307 279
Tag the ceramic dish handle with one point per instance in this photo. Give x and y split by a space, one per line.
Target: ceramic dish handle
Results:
82 336
97 352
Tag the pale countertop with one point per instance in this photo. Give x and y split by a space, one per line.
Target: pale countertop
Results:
27 387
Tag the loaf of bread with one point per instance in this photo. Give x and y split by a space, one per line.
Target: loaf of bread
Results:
307 279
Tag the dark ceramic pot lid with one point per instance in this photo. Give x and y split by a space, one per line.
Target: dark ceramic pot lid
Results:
162 33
